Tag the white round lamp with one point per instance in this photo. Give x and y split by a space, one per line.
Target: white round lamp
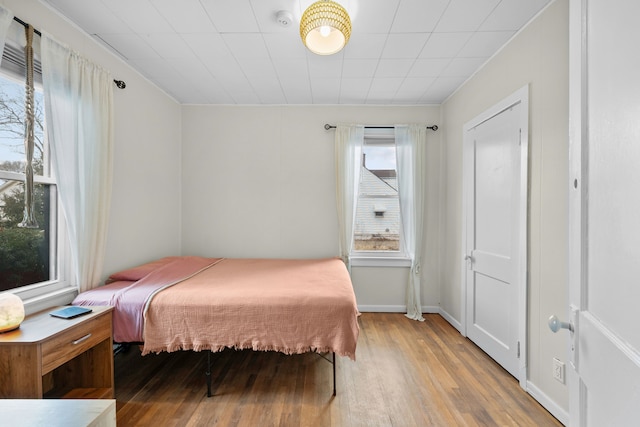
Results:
11 312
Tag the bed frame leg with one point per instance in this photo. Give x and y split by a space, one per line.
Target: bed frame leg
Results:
208 373
334 373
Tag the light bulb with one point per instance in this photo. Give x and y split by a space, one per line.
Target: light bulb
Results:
325 31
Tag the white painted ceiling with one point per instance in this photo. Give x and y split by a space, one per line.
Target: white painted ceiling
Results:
234 52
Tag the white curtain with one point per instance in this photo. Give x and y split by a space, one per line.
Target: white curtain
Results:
410 164
348 145
6 17
79 116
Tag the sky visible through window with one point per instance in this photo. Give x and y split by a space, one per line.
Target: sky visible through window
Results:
12 146
380 158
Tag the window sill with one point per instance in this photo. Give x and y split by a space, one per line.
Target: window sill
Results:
379 261
54 298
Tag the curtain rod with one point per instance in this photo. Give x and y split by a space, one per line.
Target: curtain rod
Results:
120 84
328 126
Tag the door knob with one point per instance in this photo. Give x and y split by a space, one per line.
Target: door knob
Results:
468 259
555 324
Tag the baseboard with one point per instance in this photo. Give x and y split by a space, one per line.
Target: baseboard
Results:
449 318
431 309
551 406
382 308
394 309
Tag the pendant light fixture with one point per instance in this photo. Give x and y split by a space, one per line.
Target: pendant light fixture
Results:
325 27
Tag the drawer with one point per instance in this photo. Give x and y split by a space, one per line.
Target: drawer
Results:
72 342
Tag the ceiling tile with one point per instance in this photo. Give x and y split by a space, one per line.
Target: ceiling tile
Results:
374 16
91 15
352 68
168 45
258 68
185 16
431 67
354 88
444 45
511 15
415 86
418 16
191 69
297 90
216 96
130 46
323 67
325 90
139 15
485 44
383 88
291 69
441 88
181 89
268 89
462 67
231 16
209 47
365 45
246 45
393 67
404 45
245 97
155 68
229 72
212 90
285 45
465 15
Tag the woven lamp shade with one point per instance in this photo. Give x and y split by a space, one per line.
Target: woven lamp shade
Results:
330 15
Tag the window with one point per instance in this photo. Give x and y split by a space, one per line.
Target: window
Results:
378 227
30 258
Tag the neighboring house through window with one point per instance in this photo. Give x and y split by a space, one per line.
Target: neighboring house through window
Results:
378 227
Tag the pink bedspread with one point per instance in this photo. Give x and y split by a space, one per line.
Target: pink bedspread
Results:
290 306
130 298
193 303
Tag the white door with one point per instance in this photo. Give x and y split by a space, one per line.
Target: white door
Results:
604 373
494 241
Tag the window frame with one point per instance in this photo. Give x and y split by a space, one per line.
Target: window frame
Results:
62 289
382 137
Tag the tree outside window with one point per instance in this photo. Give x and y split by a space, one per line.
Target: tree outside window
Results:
25 255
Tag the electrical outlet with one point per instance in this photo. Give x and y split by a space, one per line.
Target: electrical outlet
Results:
558 370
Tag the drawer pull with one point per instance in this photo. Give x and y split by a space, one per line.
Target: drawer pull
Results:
79 340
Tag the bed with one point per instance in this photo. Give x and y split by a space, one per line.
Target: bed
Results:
291 306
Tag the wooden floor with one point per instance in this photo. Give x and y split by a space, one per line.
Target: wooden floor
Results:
407 373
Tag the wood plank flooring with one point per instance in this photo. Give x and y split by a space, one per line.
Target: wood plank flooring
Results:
407 373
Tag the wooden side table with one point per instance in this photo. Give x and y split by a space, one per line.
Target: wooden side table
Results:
52 357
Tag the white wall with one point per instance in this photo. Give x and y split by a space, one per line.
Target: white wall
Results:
258 181
538 56
145 213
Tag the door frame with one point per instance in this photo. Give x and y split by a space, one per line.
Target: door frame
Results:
577 197
521 96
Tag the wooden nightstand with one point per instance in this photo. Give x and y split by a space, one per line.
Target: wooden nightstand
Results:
51 357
